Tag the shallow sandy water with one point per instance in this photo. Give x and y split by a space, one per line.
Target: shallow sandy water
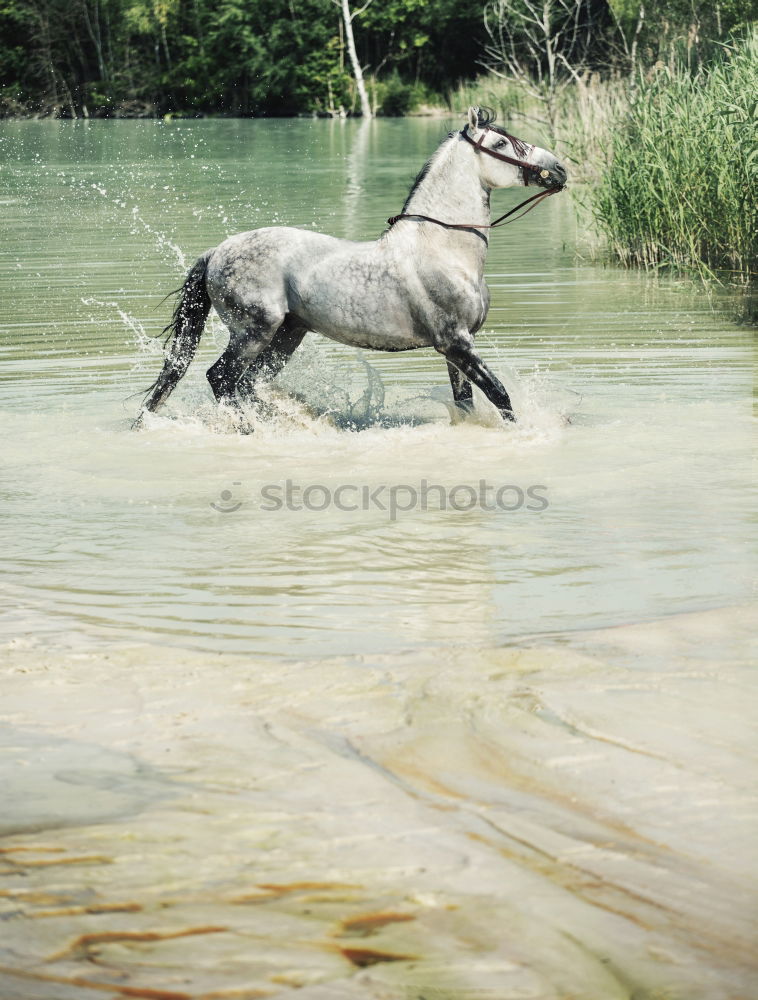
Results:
571 818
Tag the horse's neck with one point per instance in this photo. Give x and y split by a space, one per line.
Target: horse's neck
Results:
452 192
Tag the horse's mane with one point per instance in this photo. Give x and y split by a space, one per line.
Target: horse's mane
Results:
486 118
425 169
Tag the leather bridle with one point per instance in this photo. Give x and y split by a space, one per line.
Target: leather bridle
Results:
478 144
526 168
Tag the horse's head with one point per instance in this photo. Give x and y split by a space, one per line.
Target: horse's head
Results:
508 161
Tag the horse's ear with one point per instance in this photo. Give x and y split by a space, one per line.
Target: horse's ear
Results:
473 118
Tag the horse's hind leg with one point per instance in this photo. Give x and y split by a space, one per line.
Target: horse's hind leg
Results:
245 346
224 374
463 394
269 363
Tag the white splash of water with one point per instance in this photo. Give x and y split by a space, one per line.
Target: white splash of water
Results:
144 342
162 241
165 245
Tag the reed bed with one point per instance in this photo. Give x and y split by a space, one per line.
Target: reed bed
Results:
679 188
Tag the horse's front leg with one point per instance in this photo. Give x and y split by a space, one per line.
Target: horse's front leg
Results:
459 352
462 391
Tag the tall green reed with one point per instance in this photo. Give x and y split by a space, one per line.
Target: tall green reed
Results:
679 186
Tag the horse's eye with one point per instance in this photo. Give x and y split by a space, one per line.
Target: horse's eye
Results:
499 145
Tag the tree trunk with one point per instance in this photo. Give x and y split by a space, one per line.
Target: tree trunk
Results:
93 30
633 53
347 17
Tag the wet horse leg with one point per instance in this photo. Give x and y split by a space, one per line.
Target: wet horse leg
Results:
272 359
463 394
245 346
461 355
462 391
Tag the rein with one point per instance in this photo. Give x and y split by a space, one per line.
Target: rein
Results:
535 200
501 221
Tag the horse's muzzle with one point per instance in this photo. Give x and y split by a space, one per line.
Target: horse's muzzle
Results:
554 176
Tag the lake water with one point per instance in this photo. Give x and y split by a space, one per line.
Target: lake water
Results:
152 589
112 532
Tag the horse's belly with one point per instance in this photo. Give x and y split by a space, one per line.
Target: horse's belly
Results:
372 323
374 340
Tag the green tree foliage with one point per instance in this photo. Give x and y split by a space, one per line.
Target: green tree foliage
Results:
237 57
267 57
670 29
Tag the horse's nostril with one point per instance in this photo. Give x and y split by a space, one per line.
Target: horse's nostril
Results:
559 175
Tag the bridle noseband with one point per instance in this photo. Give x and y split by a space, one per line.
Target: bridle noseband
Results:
526 169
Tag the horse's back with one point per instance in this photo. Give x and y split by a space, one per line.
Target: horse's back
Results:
264 250
255 264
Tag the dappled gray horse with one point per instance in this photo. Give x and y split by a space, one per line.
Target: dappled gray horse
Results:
421 284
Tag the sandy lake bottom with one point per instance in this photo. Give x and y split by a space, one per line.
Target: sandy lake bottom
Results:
572 818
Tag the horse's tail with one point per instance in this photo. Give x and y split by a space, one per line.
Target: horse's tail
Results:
184 330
